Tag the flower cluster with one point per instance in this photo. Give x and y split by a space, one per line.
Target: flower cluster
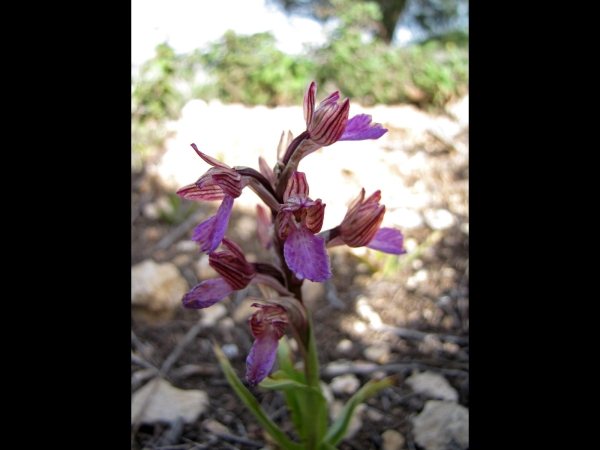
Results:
290 226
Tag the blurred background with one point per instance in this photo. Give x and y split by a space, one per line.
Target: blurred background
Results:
230 76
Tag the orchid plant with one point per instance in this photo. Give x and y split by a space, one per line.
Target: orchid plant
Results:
289 225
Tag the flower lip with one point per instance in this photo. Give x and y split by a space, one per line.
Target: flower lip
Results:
361 127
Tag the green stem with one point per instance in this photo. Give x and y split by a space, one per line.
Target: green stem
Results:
316 404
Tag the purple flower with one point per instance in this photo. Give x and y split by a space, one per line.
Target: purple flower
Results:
267 325
298 220
236 273
362 220
328 123
361 127
218 181
361 227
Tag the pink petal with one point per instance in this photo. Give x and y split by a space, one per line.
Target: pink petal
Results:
206 294
261 358
305 255
388 240
360 127
210 233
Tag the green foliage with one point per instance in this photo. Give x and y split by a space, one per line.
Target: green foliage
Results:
157 95
252 71
428 16
371 72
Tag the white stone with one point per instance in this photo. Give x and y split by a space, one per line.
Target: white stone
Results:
359 326
186 245
344 346
230 350
439 219
442 425
379 353
159 401
215 427
392 440
405 218
156 289
433 385
345 384
210 316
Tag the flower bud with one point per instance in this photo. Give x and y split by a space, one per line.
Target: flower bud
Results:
363 219
232 265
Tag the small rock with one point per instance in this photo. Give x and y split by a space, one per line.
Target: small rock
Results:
364 310
374 415
345 384
377 353
227 323
359 326
215 427
433 385
392 440
181 260
230 350
156 291
344 346
442 425
211 315
159 401
439 219
430 344
186 245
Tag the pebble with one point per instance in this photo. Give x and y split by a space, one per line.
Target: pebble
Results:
211 315
159 401
345 384
432 385
392 440
230 350
439 219
442 425
344 346
379 353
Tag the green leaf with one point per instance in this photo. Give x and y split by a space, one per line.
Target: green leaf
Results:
338 428
279 381
252 404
